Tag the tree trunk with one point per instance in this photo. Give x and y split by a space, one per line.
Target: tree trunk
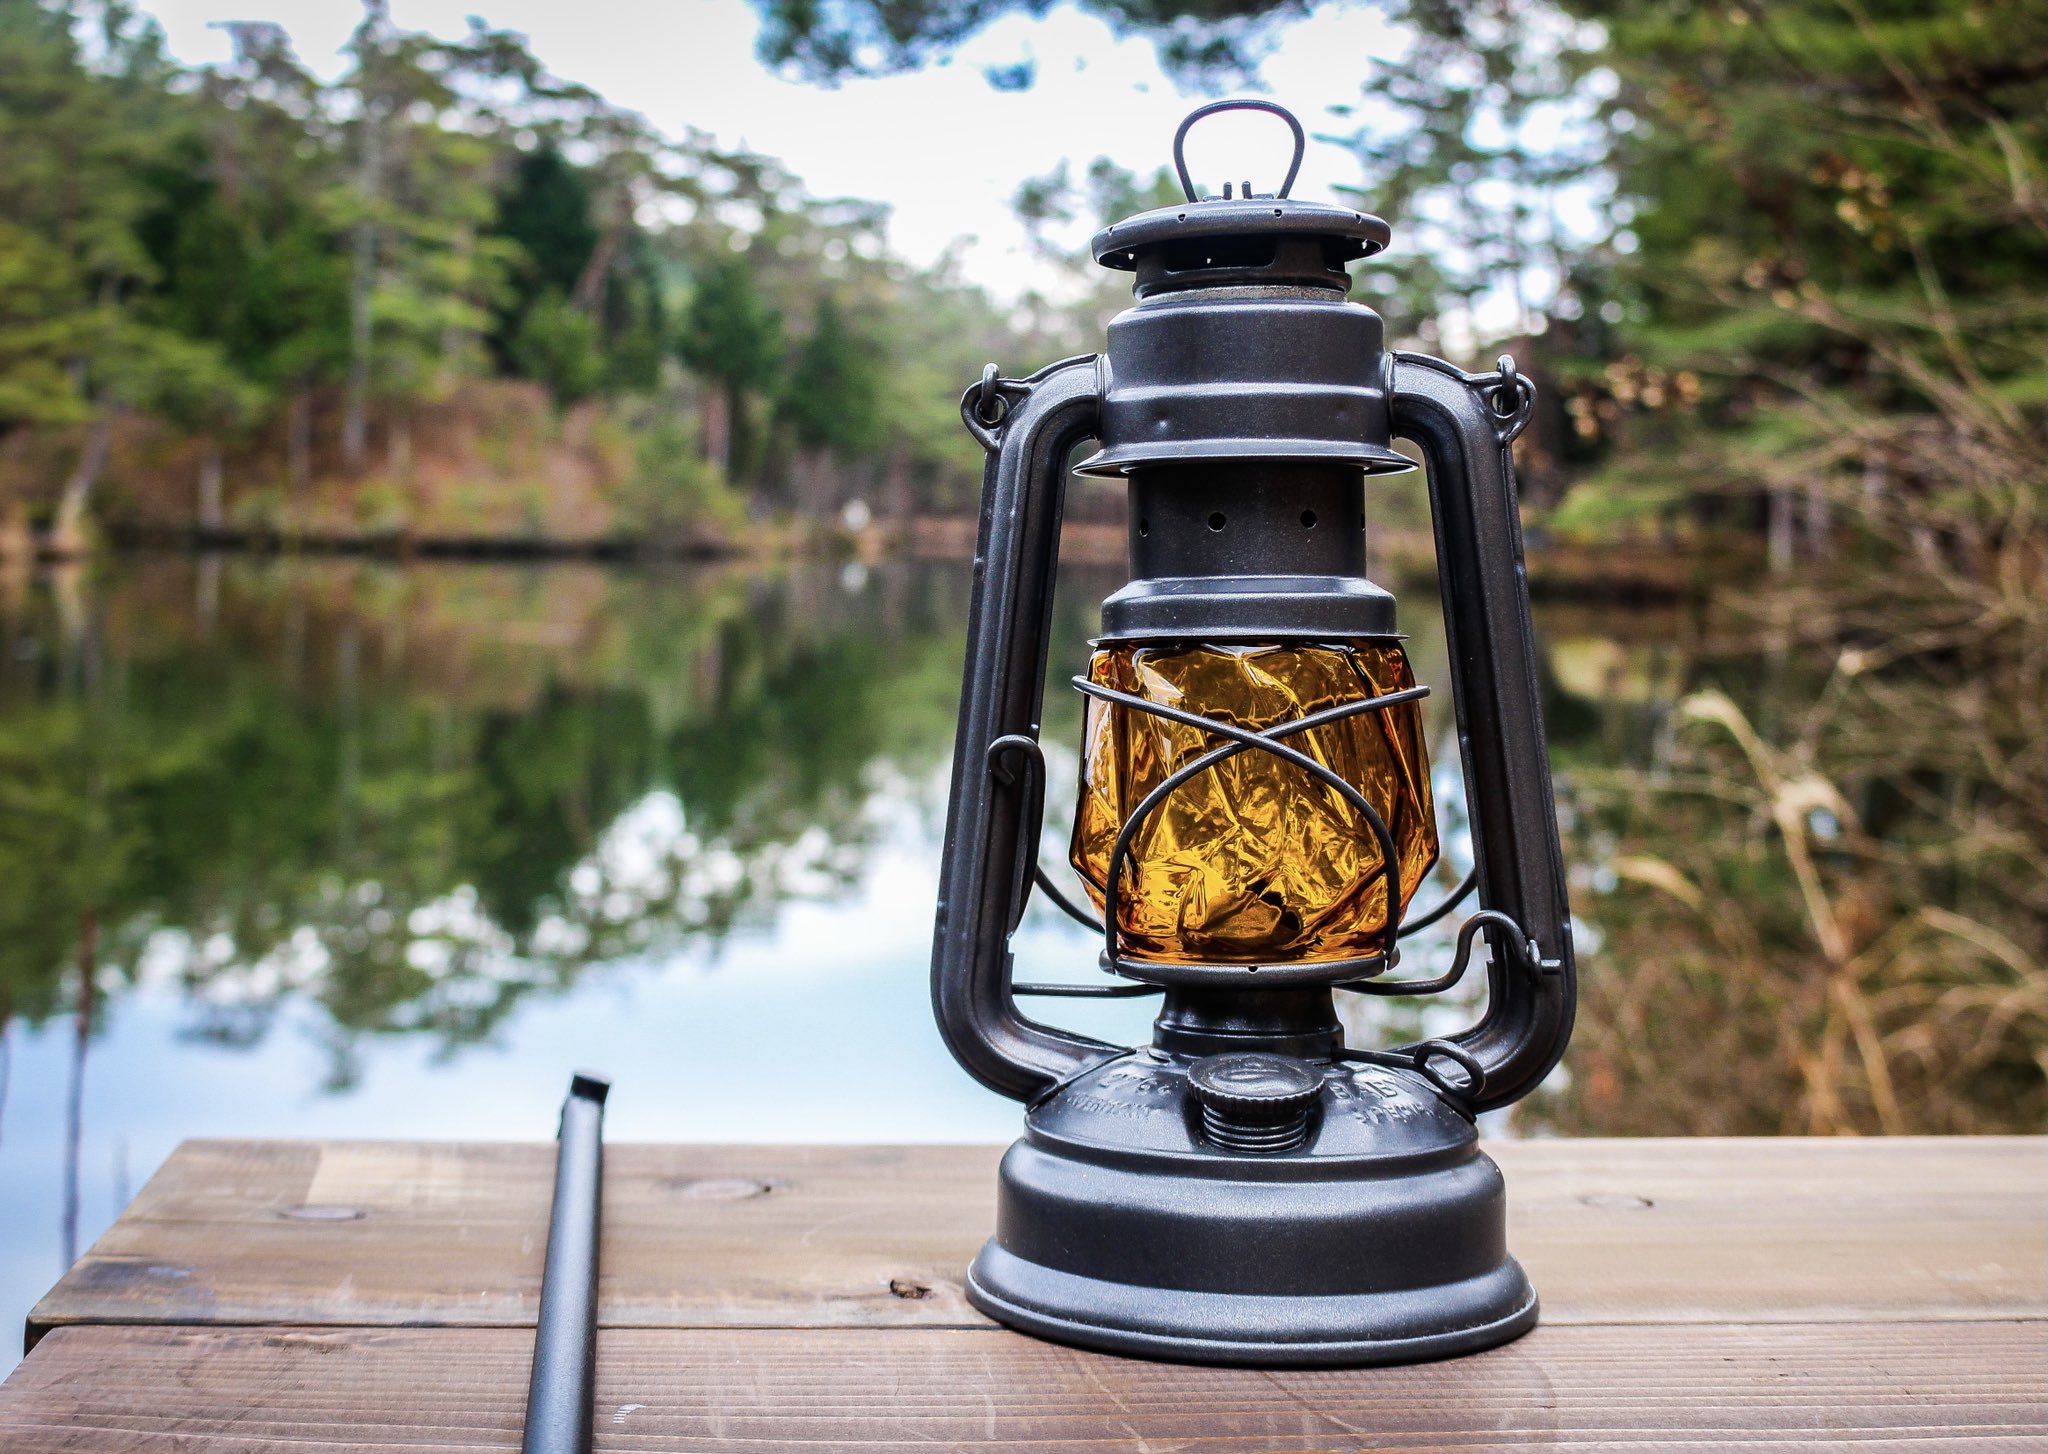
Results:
362 282
1819 529
824 486
298 443
17 541
74 1103
210 516
589 289
67 535
741 453
1779 529
718 431
206 601
398 444
897 505
453 336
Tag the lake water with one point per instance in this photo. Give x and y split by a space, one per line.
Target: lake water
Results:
375 850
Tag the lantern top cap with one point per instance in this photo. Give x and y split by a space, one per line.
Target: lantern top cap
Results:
1355 234
1255 222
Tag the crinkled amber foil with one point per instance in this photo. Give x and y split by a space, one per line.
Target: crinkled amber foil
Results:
1253 861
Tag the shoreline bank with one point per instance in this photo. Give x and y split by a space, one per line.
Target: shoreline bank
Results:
1622 572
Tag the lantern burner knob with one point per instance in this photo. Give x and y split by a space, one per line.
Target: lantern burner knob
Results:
1252 1101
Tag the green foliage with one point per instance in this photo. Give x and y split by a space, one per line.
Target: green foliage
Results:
41 329
1480 139
673 489
732 338
234 250
729 331
1212 42
832 397
557 346
545 208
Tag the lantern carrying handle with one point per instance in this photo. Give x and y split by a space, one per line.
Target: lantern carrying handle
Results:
1242 103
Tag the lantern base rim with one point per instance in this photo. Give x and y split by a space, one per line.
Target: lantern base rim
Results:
1124 1224
1177 1325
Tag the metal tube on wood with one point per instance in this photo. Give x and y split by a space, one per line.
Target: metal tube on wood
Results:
560 1393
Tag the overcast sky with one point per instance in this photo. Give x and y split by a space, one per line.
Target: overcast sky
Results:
943 147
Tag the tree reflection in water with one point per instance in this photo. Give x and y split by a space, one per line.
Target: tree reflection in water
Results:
417 797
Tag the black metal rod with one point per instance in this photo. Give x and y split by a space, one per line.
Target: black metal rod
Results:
1450 901
559 1397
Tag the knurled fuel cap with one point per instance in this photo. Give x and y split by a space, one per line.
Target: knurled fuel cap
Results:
1252 1101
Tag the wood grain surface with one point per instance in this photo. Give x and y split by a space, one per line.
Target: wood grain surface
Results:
1927 1386
403 1233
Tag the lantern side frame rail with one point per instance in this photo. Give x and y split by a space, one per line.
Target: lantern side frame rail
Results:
1465 425
1420 1056
1029 428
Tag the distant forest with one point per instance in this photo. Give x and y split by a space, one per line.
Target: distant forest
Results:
450 293
446 288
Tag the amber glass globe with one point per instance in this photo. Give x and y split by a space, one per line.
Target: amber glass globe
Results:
1254 861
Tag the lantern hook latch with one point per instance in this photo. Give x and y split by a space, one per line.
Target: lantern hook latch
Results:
1510 398
1423 1059
987 403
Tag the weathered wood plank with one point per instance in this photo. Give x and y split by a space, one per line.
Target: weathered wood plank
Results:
1958 1386
1792 1230
445 1233
697 1236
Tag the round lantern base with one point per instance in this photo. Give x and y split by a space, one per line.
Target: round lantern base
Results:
1250 1331
1380 1239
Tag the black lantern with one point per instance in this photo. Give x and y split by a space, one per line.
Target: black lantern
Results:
1254 817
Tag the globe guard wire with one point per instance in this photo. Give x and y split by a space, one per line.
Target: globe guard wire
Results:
1034 758
1078 991
1413 925
1034 781
1519 948
1067 906
1243 739
1450 901
1088 991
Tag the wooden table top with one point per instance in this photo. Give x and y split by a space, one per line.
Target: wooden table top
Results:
1696 1293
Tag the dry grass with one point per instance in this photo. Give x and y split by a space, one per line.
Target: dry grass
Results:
1829 910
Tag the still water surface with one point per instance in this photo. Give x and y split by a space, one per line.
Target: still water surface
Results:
368 850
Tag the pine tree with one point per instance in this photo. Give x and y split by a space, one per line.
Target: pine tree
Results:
731 337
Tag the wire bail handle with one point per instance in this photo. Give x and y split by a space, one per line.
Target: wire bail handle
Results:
1180 160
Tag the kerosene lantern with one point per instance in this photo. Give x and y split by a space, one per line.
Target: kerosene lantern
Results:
1254 819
